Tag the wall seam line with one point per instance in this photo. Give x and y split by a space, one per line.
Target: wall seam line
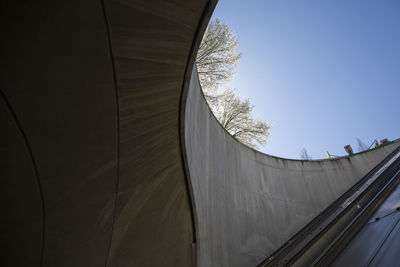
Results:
111 53
35 167
202 24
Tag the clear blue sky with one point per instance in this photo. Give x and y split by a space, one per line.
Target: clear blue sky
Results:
322 72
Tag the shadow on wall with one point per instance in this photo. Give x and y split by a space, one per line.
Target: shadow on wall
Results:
249 203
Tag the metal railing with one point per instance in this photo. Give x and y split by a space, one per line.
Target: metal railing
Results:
314 243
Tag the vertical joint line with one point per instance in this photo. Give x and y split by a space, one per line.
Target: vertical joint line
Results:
182 107
109 43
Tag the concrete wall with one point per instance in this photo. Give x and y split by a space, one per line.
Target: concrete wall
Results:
248 203
93 167
91 164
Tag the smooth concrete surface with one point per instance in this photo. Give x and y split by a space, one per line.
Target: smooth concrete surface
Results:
91 163
248 203
22 217
57 77
108 159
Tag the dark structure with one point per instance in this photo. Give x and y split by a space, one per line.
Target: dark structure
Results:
110 156
91 159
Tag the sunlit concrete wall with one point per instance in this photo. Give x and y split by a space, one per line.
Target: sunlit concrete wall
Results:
248 203
93 168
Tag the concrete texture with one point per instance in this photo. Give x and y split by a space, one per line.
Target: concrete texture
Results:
108 159
91 163
248 203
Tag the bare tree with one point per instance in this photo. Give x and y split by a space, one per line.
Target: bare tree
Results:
216 59
304 154
361 146
235 115
217 56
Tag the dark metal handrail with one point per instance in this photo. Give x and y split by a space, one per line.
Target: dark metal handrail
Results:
304 239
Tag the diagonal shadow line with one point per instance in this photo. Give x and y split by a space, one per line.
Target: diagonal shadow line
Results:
35 167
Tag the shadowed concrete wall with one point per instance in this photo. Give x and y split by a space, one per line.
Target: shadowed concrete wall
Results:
249 203
91 163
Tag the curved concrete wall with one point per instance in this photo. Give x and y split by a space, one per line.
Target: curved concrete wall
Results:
96 146
249 203
91 163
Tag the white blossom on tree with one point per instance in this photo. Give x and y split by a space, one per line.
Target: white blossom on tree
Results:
217 56
216 59
235 115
